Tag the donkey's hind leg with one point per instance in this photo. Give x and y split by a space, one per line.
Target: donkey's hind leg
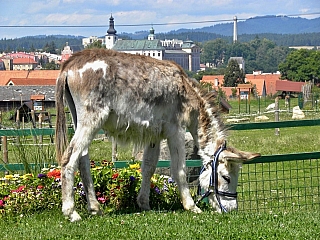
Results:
149 164
69 164
176 144
84 167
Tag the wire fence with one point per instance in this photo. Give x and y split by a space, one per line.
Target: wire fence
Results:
280 186
287 182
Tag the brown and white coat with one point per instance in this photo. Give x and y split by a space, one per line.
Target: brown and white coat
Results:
143 100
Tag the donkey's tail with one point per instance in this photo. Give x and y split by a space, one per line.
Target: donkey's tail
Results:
61 127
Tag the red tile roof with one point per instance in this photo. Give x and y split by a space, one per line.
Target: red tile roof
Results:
5 76
31 81
259 83
212 78
270 81
289 86
23 61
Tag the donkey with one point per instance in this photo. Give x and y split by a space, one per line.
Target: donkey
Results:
143 100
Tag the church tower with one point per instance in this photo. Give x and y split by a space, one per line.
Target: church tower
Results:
151 35
111 36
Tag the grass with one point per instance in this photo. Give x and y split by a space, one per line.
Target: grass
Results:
160 225
276 200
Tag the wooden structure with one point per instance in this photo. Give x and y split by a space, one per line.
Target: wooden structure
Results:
244 88
37 102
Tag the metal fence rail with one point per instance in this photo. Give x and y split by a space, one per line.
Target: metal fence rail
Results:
283 182
280 186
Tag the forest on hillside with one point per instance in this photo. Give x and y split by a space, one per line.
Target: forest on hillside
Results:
303 39
32 43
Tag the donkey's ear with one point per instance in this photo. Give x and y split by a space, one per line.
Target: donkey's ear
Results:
235 155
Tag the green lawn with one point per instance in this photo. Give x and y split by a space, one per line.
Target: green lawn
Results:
276 200
170 225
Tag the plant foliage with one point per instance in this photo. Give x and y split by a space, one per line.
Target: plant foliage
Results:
116 190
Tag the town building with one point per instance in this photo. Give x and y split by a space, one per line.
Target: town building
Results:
89 40
264 84
184 53
66 53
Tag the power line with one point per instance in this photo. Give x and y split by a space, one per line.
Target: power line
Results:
155 24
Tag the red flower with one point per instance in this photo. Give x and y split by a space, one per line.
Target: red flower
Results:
40 187
55 173
102 199
115 175
19 189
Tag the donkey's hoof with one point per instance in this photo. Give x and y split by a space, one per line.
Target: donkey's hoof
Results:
74 217
96 212
143 203
195 209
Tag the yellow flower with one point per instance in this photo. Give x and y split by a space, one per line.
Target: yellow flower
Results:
134 166
8 177
26 176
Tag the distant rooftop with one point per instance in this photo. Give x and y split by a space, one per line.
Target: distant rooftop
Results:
129 45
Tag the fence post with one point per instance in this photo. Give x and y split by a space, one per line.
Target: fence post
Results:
114 149
40 126
33 116
5 149
18 125
276 115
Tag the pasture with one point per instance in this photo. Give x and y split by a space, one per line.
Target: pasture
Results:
268 218
165 225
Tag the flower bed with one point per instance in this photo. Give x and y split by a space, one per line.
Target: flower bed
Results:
116 190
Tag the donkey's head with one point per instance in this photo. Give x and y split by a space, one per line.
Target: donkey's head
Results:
219 177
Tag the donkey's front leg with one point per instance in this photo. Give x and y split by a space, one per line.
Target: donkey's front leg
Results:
84 167
176 144
149 164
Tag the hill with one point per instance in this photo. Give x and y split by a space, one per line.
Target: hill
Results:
264 24
284 31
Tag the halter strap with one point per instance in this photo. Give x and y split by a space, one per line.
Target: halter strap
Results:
214 181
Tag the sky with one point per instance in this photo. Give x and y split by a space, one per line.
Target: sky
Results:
135 15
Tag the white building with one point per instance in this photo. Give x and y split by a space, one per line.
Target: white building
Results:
185 53
92 39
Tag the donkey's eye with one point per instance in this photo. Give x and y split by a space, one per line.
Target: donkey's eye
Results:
227 178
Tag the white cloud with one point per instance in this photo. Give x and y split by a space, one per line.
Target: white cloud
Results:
97 12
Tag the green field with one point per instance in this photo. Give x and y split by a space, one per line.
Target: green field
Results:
276 200
161 225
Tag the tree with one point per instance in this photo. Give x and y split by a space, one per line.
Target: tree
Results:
32 48
50 48
209 71
233 74
51 66
214 52
96 44
301 65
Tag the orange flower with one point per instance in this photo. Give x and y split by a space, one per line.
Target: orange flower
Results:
55 173
115 175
